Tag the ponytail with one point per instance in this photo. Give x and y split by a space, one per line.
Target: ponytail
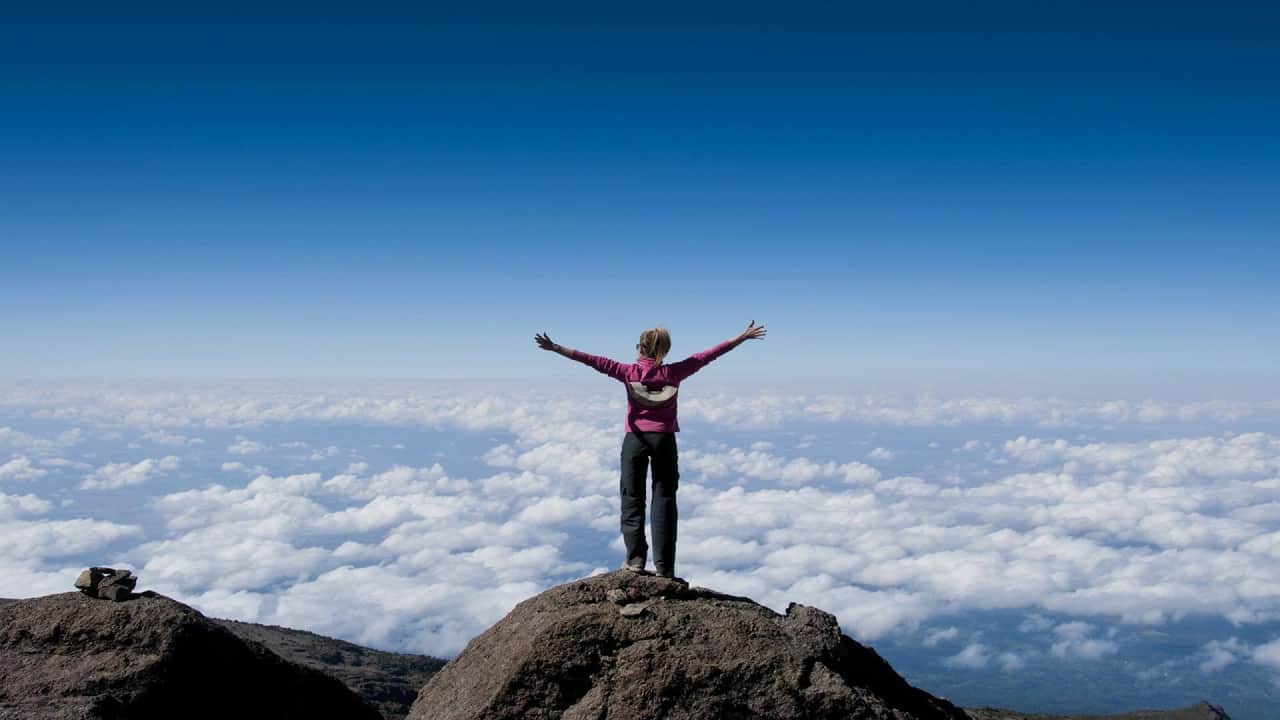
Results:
655 343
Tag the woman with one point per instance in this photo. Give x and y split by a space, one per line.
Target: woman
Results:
651 429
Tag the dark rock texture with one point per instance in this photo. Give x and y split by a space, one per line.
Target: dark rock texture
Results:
623 646
72 656
1201 711
390 681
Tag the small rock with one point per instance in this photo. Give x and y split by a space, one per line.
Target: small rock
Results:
87 583
636 609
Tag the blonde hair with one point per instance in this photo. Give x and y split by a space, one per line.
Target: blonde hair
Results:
655 343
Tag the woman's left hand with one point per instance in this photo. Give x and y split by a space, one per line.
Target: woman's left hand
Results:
544 341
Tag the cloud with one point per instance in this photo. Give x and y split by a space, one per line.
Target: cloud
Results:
1139 531
772 411
118 475
1074 641
944 635
20 468
856 472
384 607
36 445
556 510
228 556
237 466
164 437
881 454
15 438
503 455
973 657
231 548
1221 653
245 446
1011 662
325 453
761 465
225 406
1268 654
276 506
61 538
1035 624
1158 461
12 506
64 463
398 481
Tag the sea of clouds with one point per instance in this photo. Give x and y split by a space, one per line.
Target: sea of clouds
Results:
412 517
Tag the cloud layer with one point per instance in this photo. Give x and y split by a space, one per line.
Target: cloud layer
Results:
1062 508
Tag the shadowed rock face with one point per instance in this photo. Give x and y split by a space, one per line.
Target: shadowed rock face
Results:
72 656
388 681
624 646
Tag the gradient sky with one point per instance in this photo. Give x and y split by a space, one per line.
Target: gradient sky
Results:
385 191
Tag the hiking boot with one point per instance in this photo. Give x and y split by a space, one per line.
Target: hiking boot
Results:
668 575
635 565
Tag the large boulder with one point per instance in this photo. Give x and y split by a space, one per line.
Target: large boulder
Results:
150 658
624 646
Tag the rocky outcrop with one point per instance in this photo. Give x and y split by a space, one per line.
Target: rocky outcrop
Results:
107 583
623 646
74 656
1200 711
616 646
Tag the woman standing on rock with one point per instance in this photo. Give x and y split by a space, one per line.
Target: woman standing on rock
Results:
651 428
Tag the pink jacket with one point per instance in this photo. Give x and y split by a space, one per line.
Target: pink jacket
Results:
652 388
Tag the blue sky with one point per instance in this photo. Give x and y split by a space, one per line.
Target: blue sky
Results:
413 192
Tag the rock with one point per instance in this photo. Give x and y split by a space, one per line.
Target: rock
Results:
116 593
107 583
117 585
636 609
88 580
571 653
150 658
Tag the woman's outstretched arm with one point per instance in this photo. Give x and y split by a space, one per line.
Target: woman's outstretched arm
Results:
612 368
697 361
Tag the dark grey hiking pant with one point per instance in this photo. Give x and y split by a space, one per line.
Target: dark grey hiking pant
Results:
638 450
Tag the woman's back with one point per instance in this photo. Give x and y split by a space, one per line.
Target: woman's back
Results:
651 425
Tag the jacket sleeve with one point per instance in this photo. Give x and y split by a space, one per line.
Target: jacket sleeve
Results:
612 368
697 361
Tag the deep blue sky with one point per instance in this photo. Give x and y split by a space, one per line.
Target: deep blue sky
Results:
363 190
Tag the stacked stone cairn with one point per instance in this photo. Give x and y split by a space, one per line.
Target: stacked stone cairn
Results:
107 583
